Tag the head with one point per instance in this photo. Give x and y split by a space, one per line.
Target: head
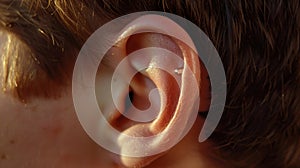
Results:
259 47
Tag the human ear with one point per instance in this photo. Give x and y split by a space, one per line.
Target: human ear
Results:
155 58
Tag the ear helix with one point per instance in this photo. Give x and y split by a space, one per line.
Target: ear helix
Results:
83 88
87 64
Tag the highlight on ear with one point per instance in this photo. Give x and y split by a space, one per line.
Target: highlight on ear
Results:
136 86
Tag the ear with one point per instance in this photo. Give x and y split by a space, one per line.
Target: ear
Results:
156 58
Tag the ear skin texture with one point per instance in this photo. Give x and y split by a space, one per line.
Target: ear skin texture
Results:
161 67
180 103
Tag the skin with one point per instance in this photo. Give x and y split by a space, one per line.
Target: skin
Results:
47 133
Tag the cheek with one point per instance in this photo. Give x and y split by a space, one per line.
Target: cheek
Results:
45 133
33 120
39 129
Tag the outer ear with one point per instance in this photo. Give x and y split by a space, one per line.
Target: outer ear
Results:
150 52
147 45
163 54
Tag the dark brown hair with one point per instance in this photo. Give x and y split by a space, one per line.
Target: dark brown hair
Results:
258 42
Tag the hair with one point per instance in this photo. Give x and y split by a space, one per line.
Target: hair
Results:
258 42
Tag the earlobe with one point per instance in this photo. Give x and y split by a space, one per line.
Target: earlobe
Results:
173 67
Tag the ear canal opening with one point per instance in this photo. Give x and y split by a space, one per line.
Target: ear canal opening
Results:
140 88
138 98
